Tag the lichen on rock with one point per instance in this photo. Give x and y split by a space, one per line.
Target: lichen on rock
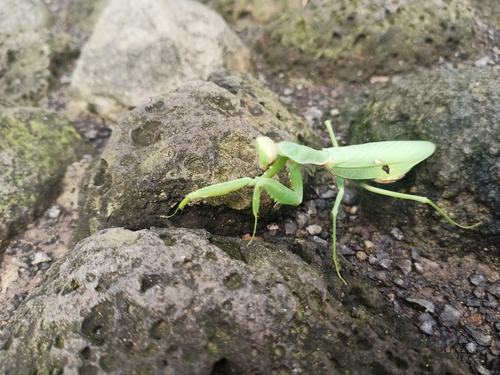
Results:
175 301
35 148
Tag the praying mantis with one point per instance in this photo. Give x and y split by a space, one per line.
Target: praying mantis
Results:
383 162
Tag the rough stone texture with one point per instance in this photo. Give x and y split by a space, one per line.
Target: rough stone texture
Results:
356 39
35 148
200 134
72 21
143 48
184 302
457 110
24 50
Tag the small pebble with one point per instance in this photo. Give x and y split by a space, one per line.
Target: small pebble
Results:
311 208
326 193
426 327
361 256
313 114
287 91
479 292
350 198
40 257
385 263
471 347
346 251
302 220
415 255
490 301
290 228
450 316
334 112
427 323
494 289
54 212
483 61
381 275
369 245
273 227
320 240
404 265
481 370
477 279
473 302
313 229
419 267
399 281
372 260
397 234
428 305
480 337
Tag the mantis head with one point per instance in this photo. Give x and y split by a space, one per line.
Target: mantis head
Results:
267 151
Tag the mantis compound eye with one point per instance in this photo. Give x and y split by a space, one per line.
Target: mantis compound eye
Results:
266 150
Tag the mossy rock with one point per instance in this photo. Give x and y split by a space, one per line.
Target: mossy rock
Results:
353 40
35 148
198 135
143 49
184 302
458 111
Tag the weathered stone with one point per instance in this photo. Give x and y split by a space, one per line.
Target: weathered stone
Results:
354 40
458 110
184 302
200 134
35 148
24 50
450 316
141 49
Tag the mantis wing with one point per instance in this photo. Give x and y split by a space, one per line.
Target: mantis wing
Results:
303 154
382 161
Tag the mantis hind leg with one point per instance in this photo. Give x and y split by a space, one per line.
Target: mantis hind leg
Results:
417 198
335 210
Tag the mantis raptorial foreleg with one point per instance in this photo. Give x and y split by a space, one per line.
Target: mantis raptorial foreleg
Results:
335 210
416 198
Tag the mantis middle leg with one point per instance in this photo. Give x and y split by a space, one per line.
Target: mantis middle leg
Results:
416 198
335 210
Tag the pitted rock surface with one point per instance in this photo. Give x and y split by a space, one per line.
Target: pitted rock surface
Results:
198 135
178 301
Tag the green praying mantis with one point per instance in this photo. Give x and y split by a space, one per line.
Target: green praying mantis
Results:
383 162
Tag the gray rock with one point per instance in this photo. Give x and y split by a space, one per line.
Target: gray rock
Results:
480 337
355 40
140 49
471 347
426 324
457 110
197 135
184 302
404 265
35 148
477 279
494 289
450 316
427 305
24 50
